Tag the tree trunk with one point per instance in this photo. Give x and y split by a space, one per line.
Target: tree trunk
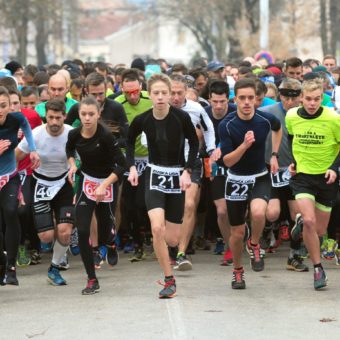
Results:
41 41
323 27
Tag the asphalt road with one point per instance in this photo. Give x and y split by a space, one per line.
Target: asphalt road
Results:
277 304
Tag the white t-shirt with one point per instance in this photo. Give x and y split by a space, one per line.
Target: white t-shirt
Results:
51 150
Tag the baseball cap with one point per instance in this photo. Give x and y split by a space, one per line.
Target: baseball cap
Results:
215 66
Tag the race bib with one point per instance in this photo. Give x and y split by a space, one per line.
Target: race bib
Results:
237 188
47 190
22 176
3 181
281 178
165 179
140 165
90 185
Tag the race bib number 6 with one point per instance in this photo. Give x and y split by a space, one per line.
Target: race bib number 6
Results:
165 180
90 185
238 187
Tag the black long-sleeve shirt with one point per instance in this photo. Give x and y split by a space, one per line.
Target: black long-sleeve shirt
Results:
100 155
165 138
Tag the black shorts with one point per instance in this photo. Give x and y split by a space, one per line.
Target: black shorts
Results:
283 194
61 207
237 209
217 187
197 172
316 186
172 204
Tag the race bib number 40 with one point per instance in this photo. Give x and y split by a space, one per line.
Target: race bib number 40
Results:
281 178
165 179
238 187
46 190
90 184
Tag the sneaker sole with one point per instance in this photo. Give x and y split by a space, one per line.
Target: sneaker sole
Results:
167 296
51 282
184 267
320 287
23 265
239 287
91 293
292 268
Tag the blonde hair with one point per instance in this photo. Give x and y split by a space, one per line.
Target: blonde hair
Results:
158 77
312 85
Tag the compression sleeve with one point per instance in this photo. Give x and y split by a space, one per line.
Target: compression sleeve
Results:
135 129
336 164
26 128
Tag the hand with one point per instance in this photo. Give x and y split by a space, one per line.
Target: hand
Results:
4 145
133 176
71 173
331 176
215 156
100 193
292 169
21 199
35 160
249 139
20 134
185 180
274 165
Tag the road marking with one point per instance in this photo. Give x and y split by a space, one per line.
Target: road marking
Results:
177 326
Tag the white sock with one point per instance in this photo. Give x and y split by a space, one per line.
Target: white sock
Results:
59 251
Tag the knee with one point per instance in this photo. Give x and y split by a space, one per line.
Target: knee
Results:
46 236
237 233
190 205
309 222
221 212
64 233
272 214
257 214
158 231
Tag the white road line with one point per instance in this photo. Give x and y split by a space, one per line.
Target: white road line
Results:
178 331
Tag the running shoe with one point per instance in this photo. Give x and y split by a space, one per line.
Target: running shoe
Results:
296 263
46 247
138 255
129 246
24 258
3 265
148 248
173 255
112 255
11 276
64 265
219 248
296 232
103 251
238 281
35 257
182 263
74 246
54 277
337 257
169 289
284 231
329 249
97 259
256 257
201 243
227 258
303 252
92 287
320 278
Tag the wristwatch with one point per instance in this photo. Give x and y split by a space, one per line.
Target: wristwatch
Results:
275 154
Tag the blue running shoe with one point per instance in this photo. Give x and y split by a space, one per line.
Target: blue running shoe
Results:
103 251
45 247
129 246
219 248
54 277
320 278
74 247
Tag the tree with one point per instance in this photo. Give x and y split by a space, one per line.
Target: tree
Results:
213 23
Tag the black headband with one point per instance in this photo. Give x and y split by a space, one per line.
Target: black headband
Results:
289 92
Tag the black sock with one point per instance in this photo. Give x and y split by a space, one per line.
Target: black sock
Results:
168 278
318 265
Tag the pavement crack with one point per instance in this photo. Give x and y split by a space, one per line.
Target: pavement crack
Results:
33 335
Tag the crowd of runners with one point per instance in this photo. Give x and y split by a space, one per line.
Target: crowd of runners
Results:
163 160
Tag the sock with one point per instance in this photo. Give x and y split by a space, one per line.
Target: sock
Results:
168 278
59 251
253 244
318 265
240 268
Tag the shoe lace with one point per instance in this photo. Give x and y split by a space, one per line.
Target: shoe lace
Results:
167 283
238 275
90 283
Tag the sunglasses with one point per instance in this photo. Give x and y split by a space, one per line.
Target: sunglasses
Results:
131 92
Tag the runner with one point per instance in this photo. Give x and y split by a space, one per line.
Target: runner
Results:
315 134
10 182
243 135
167 174
102 164
52 193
